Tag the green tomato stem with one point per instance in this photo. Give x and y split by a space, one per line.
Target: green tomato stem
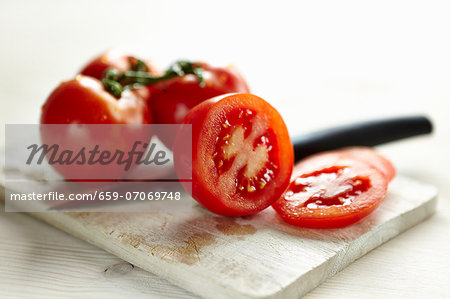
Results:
115 82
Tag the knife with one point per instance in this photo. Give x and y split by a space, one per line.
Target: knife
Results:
367 133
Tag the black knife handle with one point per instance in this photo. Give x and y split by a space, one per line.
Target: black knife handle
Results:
368 133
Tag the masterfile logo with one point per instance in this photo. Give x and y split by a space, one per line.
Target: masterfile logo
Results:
102 168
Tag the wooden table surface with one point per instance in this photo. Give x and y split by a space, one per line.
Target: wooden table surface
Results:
319 63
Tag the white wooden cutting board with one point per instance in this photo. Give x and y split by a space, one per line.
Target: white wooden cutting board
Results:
246 257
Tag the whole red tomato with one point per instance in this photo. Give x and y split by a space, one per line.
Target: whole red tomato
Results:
171 100
82 101
242 155
118 60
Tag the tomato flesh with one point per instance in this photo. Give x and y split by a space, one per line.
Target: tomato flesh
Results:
341 189
332 194
260 164
242 155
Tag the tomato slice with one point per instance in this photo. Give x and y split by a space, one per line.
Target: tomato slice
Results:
371 157
242 155
363 154
326 192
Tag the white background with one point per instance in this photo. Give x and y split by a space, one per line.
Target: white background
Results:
320 63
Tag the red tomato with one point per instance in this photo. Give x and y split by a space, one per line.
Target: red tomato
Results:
114 59
327 192
242 155
83 100
171 100
364 154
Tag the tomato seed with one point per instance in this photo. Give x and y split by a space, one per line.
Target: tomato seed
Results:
251 189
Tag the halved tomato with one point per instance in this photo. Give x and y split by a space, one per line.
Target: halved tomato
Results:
331 192
242 155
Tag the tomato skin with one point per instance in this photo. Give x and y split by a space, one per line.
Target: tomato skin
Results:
295 211
218 196
83 100
113 59
100 64
171 100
